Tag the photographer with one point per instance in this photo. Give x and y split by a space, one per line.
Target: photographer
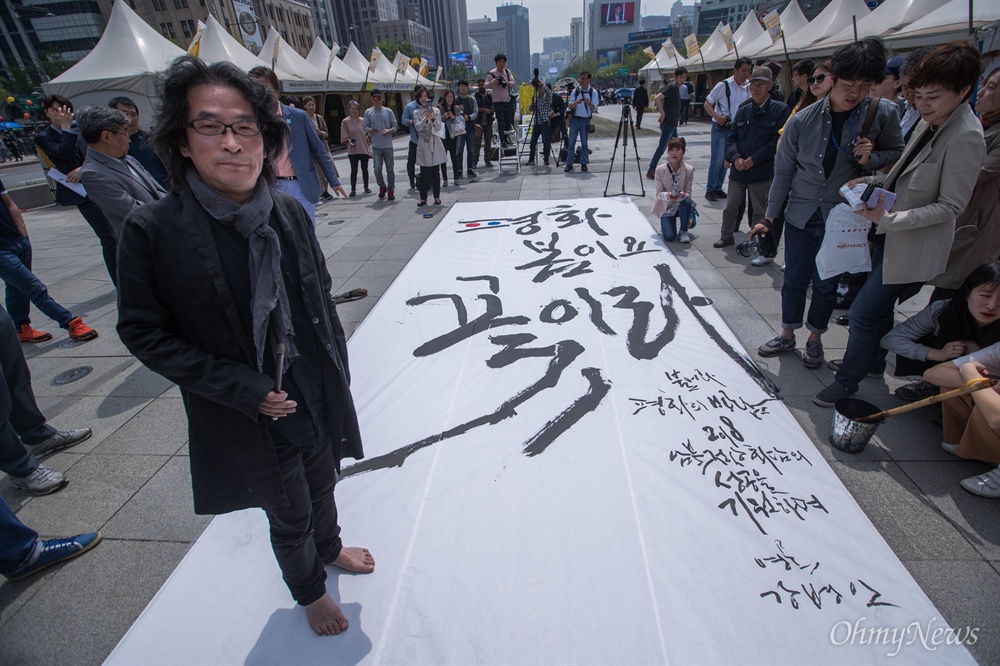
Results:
541 107
500 80
721 104
582 106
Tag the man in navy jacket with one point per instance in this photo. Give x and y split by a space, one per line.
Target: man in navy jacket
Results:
750 148
294 169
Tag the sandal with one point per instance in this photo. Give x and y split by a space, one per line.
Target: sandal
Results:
437 202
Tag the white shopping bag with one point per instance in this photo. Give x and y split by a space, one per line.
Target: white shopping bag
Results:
845 244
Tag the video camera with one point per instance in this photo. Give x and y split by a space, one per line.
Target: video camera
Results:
623 95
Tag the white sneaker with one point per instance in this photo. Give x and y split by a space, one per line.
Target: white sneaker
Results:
950 448
782 268
984 485
685 237
42 481
761 261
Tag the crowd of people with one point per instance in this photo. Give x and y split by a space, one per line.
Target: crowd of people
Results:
906 125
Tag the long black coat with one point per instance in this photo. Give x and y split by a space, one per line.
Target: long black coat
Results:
177 315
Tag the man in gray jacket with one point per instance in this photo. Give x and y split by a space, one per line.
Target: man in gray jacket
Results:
115 180
822 148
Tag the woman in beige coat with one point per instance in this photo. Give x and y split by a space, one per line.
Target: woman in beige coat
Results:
430 148
977 230
933 182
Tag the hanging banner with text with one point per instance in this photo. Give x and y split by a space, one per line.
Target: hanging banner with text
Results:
246 18
570 460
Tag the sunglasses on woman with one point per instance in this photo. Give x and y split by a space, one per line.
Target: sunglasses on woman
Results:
816 79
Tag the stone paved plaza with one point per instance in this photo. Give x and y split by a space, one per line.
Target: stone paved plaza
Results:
131 479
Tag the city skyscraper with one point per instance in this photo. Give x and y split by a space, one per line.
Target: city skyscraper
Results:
449 24
355 18
518 39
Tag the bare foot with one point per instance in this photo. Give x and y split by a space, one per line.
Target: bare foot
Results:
325 617
355 560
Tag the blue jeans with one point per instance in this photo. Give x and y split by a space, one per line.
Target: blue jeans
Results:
292 187
20 419
467 146
717 171
667 132
668 224
871 318
24 288
578 127
17 540
801 247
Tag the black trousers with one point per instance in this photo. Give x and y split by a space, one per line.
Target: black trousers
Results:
430 177
505 118
20 418
485 138
356 160
638 117
540 129
411 163
105 233
449 146
304 533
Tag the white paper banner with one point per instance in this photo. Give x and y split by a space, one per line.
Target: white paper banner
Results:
570 460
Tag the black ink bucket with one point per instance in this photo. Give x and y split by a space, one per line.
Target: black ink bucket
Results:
849 434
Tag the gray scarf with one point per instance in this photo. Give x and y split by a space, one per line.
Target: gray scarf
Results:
268 301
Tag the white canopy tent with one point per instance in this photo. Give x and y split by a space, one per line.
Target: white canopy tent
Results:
126 61
745 37
887 18
838 15
792 20
288 58
217 45
950 21
713 49
653 71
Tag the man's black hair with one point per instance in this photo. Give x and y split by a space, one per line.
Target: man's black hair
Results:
478 81
804 67
860 61
740 62
499 57
170 127
122 101
680 70
462 82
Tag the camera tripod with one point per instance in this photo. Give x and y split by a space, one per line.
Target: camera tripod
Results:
625 125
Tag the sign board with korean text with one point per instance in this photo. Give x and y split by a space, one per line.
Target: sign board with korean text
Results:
772 23
569 460
727 36
691 44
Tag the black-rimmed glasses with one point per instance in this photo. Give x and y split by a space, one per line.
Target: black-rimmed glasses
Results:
216 128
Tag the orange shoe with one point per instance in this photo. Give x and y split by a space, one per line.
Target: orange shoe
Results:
28 334
80 331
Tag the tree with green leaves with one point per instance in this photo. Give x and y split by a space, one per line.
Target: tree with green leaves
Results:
458 72
390 47
24 80
586 62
